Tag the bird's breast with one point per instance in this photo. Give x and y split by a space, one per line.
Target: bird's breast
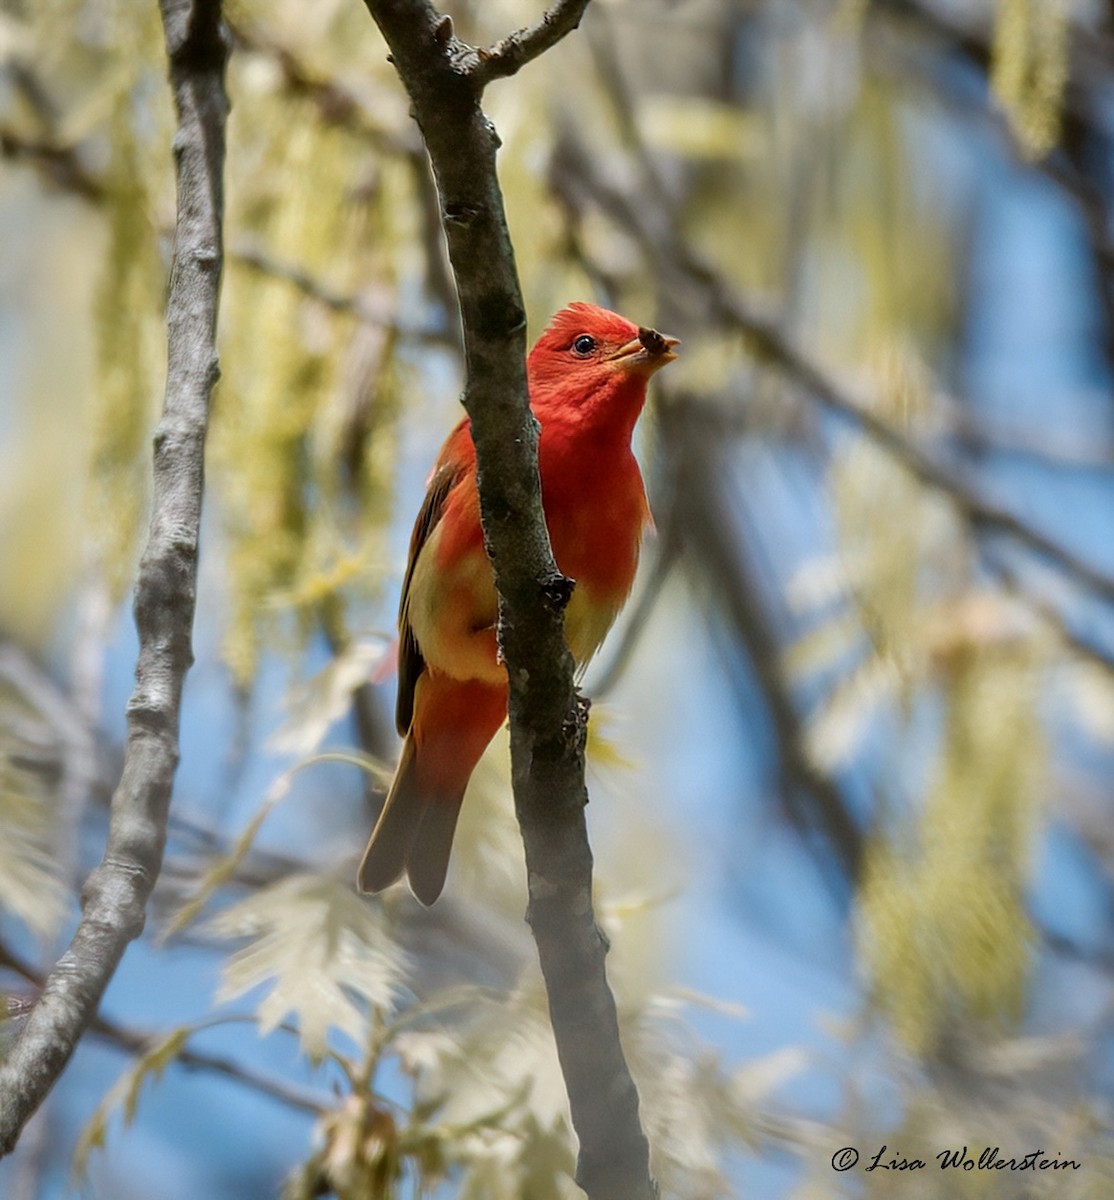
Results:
595 508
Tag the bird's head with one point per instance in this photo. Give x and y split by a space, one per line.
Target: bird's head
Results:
589 360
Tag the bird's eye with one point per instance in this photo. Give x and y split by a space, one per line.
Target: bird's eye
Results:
584 345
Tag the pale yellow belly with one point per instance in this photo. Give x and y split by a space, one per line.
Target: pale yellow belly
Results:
586 624
453 612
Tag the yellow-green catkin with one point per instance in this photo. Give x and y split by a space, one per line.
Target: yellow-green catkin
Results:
282 410
1030 70
128 320
850 14
30 887
943 926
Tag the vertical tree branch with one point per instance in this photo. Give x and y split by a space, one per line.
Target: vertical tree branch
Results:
445 78
115 896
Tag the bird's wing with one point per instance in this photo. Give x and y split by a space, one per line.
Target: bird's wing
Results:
410 660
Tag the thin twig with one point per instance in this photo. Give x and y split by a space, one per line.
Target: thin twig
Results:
115 896
339 105
249 254
510 54
336 104
1050 615
274 1087
771 343
136 1042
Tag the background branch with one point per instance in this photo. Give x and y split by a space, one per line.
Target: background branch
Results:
136 1042
671 259
60 163
812 801
115 896
368 309
547 718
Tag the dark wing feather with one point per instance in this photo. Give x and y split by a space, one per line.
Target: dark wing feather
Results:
410 661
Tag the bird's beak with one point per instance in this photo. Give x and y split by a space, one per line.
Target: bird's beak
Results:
645 354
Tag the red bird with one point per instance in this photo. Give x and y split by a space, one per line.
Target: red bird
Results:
587 376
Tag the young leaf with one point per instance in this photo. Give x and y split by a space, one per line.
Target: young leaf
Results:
320 946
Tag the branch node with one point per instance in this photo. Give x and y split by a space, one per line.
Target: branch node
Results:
461 214
574 729
557 590
605 941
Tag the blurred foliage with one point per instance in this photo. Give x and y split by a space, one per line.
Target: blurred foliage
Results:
286 408
127 308
30 887
323 947
714 159
945 927
125 1093
1031 68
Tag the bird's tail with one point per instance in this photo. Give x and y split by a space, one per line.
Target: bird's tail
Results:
453 722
